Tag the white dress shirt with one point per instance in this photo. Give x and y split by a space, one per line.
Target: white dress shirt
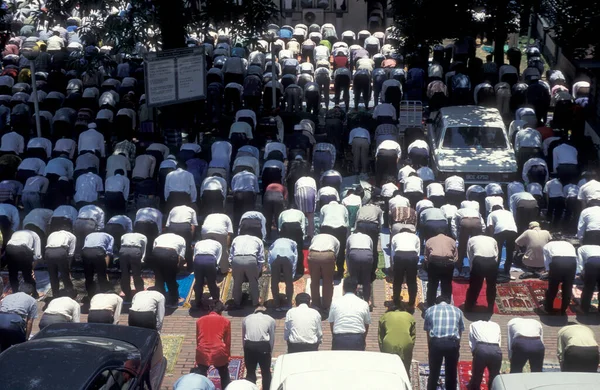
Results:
27 239
144 167
491 201
422 205
358 241
91 140
516 198
150 214
247 161
426 174
570 191
389 145
208 247
303 326
334 215
274 146
33 164
484 332
324 243
514 187
214 183
413 184
404 172
528 138
117 161
241 127
66 211
563 154
388 189
217 224
135 240
359 132
60 166
275 164
62 239
246 245
523 327
122 220
259 216
481 246
37 184
118 183
584 253
502 220
470 204
66 307
328 191
398 201
258 327
164 149
109 301
465 212
405 242
152 301
66 145
87 161
39 218
87 187
349 314
435 189
384 109
12 142
494 189
352 200
221 150
180 181
92 212
553 188
589 220
418 144
292 216
245 181
532 162
454 183
171 241
182 214
191 146
557 248
41 142
589 191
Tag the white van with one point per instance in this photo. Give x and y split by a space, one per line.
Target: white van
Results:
339 370
547 381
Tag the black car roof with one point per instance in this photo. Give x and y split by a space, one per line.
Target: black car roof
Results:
59 363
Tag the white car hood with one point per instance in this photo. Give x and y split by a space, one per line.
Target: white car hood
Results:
476 160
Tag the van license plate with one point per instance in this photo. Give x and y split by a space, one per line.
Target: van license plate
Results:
477 177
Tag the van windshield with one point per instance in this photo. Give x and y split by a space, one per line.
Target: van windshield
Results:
474 137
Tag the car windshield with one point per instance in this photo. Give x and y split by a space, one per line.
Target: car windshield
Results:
474 137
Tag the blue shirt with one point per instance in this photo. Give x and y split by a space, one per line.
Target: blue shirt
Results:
193 382
100 240
284 247
444 321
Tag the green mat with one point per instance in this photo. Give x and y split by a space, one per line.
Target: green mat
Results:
171 344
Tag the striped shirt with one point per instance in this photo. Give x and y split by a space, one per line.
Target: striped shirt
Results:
444 321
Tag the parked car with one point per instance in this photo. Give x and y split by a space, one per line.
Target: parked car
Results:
547 381
339 370
81 356
472 142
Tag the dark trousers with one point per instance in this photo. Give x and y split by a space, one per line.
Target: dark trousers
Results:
527 211
567 173
293 231
117 231
60 223
413 197
164 263
269 176
509 238
385 165
58 261
405 265
50 319
142 319
178 198
439 271
258 353
301 347
438 200
591 237
430 229
185 231
580 359
485 356
251 227
148 229
212 202
81 228
115 203
360 263
273 205
455 197
441 349
556 206
482 268
591 279
527 349
562 271
94 262
372 230
20 258
12 330
130 259
341 233
205 272
348 342
242 201
223 373
468 228
101 317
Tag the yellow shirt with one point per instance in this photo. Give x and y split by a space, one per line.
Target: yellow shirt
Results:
574 336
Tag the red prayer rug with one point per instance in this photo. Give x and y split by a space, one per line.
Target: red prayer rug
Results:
515 299
459 295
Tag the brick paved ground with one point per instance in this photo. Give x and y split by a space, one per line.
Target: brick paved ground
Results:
182 321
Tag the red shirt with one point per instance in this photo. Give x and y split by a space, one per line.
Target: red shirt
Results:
213 340
546 132
278 188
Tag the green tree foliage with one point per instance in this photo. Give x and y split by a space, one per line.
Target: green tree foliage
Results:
576 25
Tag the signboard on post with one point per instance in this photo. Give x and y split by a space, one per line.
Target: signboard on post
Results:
175 76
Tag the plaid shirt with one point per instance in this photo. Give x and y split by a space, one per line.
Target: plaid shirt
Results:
127 148
444 321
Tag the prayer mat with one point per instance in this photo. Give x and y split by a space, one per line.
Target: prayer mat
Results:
237 371
42 283
424 290
424 377
515 299
459 295
538 292
258 374
414 375
306 272
577 297
464 372
264 285
171 344
299 287
205 293
389 292
337 289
